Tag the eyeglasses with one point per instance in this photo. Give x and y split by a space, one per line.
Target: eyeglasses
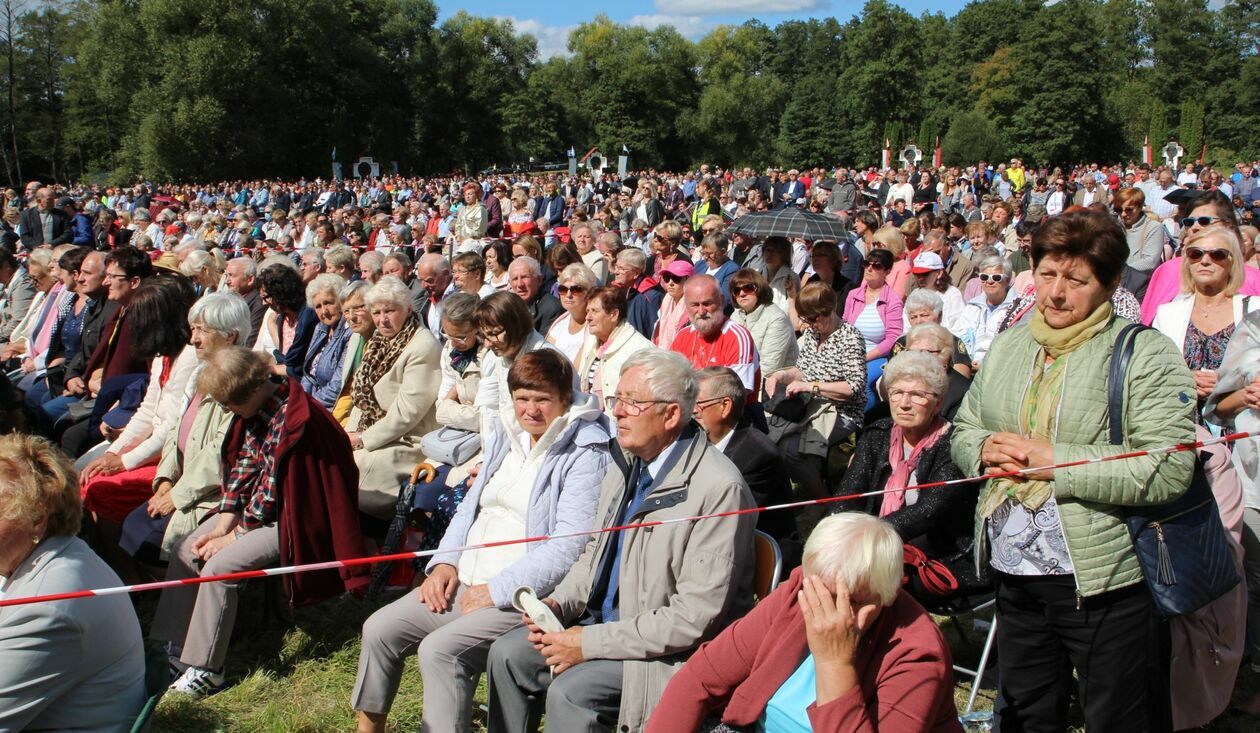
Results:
702 405
995 277
631 406
461 339
1126 209
745 289
918 398
1202 221
492 333
814 320
874 266
570 289
1219 256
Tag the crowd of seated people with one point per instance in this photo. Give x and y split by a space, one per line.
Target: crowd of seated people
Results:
214 408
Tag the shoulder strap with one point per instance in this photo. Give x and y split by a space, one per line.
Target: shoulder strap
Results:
1121 355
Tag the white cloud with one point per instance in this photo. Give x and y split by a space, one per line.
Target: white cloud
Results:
689 26
552 39
724 7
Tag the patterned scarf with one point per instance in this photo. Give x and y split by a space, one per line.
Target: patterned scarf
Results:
903 465
378 358
461 360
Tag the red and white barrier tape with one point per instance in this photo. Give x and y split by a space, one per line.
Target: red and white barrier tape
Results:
336 564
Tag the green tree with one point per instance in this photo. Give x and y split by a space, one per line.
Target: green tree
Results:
1190 128
971 137
808 135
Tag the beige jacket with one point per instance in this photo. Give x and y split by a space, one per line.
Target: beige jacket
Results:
623 343
196 471
391 447
680 584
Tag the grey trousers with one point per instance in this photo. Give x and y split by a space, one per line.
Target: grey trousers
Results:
584 698
201 617
1251 568
452 649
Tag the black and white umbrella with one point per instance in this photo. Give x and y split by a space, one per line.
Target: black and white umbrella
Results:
789 222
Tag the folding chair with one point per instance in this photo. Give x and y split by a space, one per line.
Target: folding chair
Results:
768 564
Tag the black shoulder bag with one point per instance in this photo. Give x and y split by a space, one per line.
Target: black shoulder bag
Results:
1181 545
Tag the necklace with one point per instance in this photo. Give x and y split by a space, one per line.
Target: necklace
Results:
1206 309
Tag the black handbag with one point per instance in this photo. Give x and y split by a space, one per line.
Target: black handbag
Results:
1181 545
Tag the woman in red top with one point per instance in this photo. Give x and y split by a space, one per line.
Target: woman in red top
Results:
838 647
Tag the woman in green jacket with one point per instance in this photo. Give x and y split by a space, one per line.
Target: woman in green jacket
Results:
1070 589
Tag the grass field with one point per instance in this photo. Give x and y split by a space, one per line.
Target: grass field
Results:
298 678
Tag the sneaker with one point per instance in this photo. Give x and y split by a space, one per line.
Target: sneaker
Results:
199 682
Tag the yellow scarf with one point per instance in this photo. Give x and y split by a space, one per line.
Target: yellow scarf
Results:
1041 404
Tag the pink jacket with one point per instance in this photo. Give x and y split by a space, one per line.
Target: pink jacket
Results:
906 673
1166 284
889 306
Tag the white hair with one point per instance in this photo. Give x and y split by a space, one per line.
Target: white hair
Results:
389 289
278 259
667 376
440 265
372 261
224 312
919 366
527 262
862 552
249 268
197 260
924 299
580 274
995 260
324 283
936 332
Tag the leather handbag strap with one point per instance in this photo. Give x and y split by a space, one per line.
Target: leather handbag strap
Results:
1121 355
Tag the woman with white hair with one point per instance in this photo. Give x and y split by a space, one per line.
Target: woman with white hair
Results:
321 370
203 269
981 315
189 474
912 447
837 647
394 390
927 306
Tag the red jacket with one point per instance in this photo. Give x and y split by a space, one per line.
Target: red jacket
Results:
317 501
905 668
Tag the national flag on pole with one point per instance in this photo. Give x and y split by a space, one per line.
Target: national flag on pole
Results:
1146 150
936 154
625 150
572 153
885 157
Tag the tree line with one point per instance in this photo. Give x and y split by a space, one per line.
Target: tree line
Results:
215 89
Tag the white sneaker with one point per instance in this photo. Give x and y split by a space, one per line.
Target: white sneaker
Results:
199 682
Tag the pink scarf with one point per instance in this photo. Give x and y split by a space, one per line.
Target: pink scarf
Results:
902 466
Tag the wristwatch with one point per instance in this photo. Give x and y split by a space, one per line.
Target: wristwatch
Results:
816 390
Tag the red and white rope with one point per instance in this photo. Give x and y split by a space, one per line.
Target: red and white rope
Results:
337 564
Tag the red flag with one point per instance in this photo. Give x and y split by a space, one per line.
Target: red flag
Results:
1146 150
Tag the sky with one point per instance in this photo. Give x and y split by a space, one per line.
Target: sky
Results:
551 20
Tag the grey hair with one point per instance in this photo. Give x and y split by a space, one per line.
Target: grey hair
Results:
356 286
632 257
924 299
372 261
318 252
578 273
935 331
668 377
389 289
459 308
197 260
190 245
610 239
994 260
249 267
278 259
724 382
863 552
916 365
42 256
225 312
528 262
324 283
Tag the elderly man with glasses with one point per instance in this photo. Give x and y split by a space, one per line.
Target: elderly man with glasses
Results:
637 602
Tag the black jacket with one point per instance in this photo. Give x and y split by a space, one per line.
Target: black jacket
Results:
761 462
33 228
545 309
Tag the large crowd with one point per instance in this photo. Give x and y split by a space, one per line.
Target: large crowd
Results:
204 379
